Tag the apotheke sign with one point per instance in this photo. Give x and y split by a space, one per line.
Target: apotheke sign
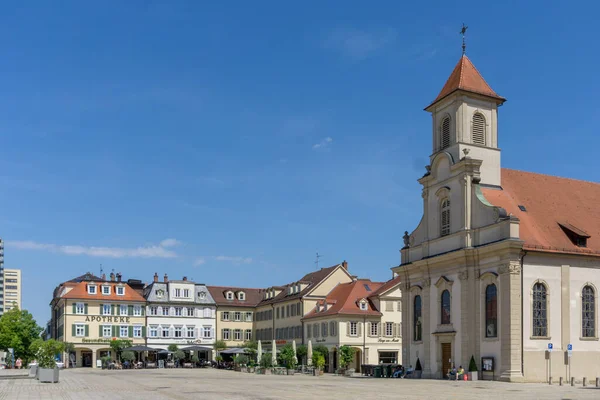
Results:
122 320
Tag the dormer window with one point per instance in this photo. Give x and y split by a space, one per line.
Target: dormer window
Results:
92 289
363 305
105 290
577 236
241 296
201 295
120 291
318 308
229 295
160 293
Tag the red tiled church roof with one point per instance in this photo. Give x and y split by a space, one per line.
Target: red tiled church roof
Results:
466 77
550 202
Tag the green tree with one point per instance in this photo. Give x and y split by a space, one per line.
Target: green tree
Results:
472 365
46 352
220 345
266 361
128 355
118 346
301 352
286 355
321 349
346 355
179 355
173 348
319 360
18 330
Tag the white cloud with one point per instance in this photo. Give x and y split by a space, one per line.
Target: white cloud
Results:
199 261
151 251
234 260
323 143
358 44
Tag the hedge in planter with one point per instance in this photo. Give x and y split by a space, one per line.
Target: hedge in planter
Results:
45 352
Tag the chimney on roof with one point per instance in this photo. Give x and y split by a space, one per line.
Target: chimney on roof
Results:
119 277
185 278
103 277
166 279
112 276
156 277
345 265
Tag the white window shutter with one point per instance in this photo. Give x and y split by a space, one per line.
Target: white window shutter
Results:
358 329
212 332
348 328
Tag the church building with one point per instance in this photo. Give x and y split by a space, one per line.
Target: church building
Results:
504 266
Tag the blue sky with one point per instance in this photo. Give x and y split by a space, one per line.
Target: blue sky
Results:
231 143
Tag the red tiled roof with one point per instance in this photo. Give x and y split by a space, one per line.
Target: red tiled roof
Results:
80 291
253 296
550 201
466 77
343 299
386 286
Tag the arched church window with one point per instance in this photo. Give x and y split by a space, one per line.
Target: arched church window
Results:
478 129
445 133
588 309
491 311
418 329
540 310
445 218
445 307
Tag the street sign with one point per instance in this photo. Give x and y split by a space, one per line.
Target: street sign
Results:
570 349
549 346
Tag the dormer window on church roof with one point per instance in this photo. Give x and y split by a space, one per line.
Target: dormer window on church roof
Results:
577 236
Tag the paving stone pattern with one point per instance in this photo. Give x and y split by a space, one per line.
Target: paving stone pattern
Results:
179 384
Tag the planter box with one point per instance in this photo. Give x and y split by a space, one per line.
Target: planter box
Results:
250 370
472 375
267 371
33 371
349 371
48 375
417 374
291 371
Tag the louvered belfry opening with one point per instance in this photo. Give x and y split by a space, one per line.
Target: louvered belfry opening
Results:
478 129
445 218
445 134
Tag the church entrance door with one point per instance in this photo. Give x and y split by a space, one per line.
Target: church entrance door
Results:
446 358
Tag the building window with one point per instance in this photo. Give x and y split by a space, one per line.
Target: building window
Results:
177 292
92 289
165 311
178 311
308 331
237 316
248 317
186 293
225 315
80 308
106 309
277 313
79 330
445 307
106 331
491 311
332 328
389 305
287 311
241 296
418 329
364 306
153 331
353 329
190 332
445 218
123 310
137 331
137 311
248 335
123 331
229 295
105 289
316 330
165 331
190 311
374 328
237 334
588 309
540 308
153 310
478 129
206 332
324 329
202 295
207 312
298 309
389 329
225 334
178 331
120 291
445 133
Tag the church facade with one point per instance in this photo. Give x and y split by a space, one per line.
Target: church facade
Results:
504 265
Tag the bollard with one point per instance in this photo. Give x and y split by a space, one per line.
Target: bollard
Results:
572 381
597 382
584 381
560 381
550 381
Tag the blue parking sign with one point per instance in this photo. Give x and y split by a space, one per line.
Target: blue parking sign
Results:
549 346
570 347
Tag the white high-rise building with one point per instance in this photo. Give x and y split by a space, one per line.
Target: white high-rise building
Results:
12 289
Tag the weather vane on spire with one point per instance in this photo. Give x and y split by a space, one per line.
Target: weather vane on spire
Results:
462 32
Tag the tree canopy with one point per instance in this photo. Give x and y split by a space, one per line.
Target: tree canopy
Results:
18 330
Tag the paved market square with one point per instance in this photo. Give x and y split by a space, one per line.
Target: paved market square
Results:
88 384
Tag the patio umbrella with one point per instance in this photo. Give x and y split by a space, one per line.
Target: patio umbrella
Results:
259 352
274 354
294 348
309 353
140 348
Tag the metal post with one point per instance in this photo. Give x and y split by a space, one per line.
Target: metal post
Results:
597 382
550 381
550 364
584 381
572 381
560 381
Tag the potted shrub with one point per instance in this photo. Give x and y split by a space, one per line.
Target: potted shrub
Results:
418 369
266 363
195 360
179 355
319 361
346 358
46 352
288 358
241 361
473 374
105 361
128 356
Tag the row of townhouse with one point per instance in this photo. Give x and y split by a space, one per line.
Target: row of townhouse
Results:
328 307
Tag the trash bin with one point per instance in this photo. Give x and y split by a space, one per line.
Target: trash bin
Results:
378 370
388 371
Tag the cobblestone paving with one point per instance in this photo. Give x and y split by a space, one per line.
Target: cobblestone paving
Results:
88 384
